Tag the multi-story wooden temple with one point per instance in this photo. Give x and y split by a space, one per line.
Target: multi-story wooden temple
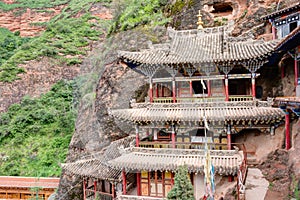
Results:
202 94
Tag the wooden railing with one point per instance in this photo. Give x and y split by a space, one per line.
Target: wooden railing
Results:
183 145
133 197
201 99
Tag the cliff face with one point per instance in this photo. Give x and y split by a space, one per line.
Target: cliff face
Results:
24 20
116 86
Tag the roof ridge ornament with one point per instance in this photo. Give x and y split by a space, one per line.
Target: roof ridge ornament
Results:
200 22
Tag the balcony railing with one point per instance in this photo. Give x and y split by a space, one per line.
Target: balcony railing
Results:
183 145
201 99
133 197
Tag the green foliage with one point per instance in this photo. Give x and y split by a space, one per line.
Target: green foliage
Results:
132 13
178 6
65 40
183 188
9 43
22 4
66 37
35 134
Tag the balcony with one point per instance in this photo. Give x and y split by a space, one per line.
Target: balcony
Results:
201 99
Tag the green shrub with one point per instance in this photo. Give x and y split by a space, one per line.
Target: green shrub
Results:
35 134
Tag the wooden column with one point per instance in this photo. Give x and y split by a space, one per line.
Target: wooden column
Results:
282 71
138 181
253 85
230 178
113 193
137 137
228 137
208 88
174 90
157 90
162 91
173 137
151 90
84 189
287 131
124 181
95 189
296 70
191 88
226 88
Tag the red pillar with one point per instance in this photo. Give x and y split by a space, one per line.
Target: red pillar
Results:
253 85
282 71
124 181
228 137
137 138
174 91
191 88
138 181
95 189
287 131
296 70
173 137
113 191
151 91
84 189
162 91
208 88
226 88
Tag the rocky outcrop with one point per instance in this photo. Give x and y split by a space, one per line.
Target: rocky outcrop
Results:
28 21
38 79
116 86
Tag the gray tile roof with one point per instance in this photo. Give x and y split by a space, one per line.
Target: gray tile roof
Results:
211 45
96 166
283 11
225 111
153 159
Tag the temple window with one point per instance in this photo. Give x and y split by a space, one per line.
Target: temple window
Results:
286 25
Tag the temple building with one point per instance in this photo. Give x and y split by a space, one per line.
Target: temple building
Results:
202 94
22 188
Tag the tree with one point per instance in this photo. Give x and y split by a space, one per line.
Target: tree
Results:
183 188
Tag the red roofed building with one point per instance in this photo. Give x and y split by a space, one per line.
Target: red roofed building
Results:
27 187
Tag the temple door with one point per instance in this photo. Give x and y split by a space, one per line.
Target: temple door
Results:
156 184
